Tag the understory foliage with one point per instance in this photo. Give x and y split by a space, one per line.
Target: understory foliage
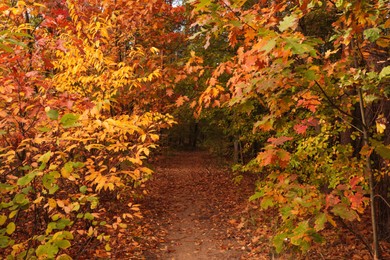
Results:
311 78
72 128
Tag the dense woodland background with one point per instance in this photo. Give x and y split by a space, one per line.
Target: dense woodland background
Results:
293 92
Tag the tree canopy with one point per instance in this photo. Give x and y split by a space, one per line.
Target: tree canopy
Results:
296 92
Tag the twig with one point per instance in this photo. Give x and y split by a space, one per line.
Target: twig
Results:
334 105
237 16
384 200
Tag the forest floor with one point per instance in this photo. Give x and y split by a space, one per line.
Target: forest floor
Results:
194 210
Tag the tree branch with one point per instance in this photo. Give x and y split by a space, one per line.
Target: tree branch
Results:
237 16
330 101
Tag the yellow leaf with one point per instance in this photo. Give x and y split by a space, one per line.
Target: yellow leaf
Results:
90 231
381 124
65 173
331 220
154 50
40 5
52 203
380 128
38 200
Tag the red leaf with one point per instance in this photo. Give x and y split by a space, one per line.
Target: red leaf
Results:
331 200
60 45
354 181
300 129
312 121
356 200
265 158
279 140
2 8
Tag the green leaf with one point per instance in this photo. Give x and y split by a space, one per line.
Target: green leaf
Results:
67 169
286 212
6 187
246 107
67 235
320 222
63 257
266 203
310 75
6 48
297 47
45 158
48 180
69 120
15 42
10 229
202 4
278 242
372 34
47 250
344 212
62 223
21 199
339 3
317 237
50 227
26 179
63 244
301 229
371 98
52 114
4 241
44 129
269 46
288 22
21 34
236 23
257 195
83 189
78 164
53 189
88 216
383 151
385 72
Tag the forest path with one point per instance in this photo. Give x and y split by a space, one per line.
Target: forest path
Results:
193 208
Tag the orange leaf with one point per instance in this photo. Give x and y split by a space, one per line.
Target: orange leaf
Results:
180 101
169 92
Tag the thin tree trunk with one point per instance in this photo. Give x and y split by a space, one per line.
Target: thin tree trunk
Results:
370 174
236 152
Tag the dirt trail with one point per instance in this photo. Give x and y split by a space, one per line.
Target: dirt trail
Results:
192 205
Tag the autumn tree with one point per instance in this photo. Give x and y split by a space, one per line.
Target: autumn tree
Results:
74 129
314 76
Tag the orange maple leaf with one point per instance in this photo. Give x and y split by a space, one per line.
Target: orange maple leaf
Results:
180 101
